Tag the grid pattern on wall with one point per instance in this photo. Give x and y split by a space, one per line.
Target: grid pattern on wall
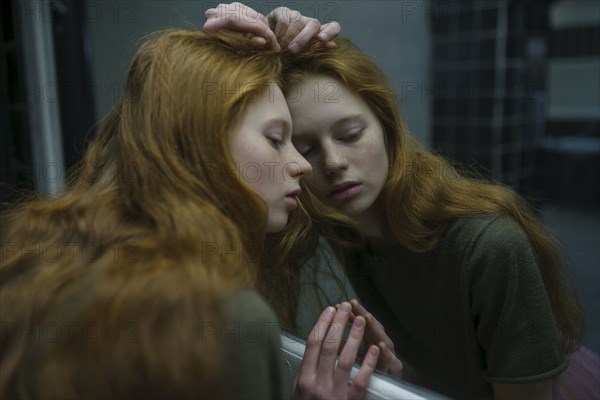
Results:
571 149
489 75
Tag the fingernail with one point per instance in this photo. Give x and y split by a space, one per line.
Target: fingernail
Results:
359 323
294 47
324 36
329 310
374 350
345 307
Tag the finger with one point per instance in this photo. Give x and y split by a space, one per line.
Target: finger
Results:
337 306
360 310
361 381
258 30
282 17
258 41
252 16
331 344
281 26
323 45
348 354
375 331
234 23
329 31
374 328
315 341
243 19
392 364
310 29
238 10
384 357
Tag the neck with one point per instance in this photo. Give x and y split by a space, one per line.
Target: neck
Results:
373 223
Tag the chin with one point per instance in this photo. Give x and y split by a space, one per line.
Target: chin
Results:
354 209
276 225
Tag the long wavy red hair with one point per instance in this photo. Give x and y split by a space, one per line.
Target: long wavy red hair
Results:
148 236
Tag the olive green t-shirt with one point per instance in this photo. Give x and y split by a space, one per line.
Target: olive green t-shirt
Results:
254 364
471 312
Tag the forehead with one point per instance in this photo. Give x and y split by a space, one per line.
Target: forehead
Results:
270 103
319 101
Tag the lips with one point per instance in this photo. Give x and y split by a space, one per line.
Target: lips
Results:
294 193
345 190
290 198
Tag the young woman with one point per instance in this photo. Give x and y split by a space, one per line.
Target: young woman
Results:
134 282
466 281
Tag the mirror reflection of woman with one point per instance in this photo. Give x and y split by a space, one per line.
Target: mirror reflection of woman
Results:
466 281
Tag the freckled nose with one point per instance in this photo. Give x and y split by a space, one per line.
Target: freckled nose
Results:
334 161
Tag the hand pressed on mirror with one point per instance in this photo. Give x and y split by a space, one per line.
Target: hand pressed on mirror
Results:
375 335
322 375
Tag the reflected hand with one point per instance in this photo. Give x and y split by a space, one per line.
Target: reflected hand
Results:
375 335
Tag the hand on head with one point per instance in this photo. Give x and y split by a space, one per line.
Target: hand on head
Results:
282 26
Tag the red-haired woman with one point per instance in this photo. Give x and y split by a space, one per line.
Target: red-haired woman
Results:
135 282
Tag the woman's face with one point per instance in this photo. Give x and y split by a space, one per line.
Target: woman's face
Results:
265 158
336 131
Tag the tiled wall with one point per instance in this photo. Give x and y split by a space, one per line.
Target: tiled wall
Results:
490 68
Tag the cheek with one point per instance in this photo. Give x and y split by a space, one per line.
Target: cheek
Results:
266 179
376 161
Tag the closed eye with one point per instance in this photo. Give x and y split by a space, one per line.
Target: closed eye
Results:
276 142
352 136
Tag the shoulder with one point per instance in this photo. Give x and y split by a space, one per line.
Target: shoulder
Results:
485 232
248 322
247 306
490 248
